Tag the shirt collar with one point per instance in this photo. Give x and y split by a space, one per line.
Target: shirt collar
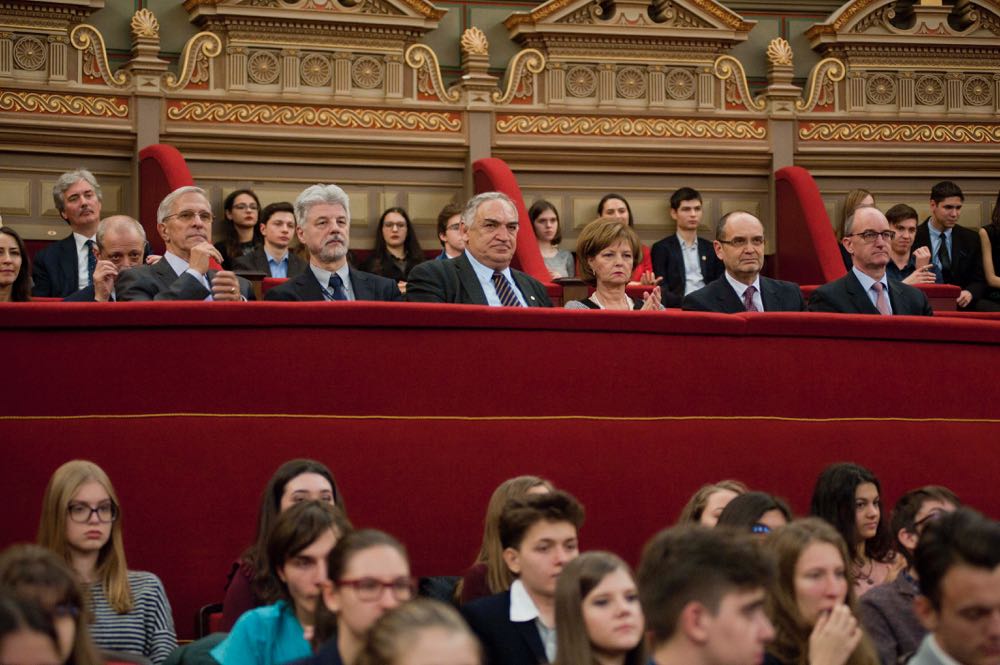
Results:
740 287
485 273
939 652
946 233
522 607
177 263
323 276
80 240
271 259
867 282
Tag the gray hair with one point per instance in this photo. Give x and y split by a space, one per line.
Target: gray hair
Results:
319 194
168 201
469 212
720 227
67 180
118 223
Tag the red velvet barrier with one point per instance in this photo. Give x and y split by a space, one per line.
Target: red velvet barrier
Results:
162 169
807 246
421 410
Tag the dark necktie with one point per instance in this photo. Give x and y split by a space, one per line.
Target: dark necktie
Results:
505 291
91 262
337 286
944 258
748 302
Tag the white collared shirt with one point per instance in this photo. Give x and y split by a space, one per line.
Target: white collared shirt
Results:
523 608
693 279
180 266
485 275
740 288
939 652
866 284
323 277
82 258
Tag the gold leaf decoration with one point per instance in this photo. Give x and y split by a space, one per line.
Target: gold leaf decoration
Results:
202 45
826 72
605 126
728 68
144 24
527 62
779 52
474 42
76 105
423 59
900 132
86 37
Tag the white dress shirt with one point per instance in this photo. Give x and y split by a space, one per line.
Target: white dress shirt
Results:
866 284
82 258
485 275
741 288
522 608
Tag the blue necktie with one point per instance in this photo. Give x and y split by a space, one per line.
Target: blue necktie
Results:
337 285
91 262
505 291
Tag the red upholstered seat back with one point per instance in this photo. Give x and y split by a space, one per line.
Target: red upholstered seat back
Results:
162 169
807 246
493 175
269 283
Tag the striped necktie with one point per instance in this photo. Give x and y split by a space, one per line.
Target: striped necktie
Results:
505 291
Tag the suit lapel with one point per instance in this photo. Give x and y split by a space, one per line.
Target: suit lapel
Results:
162 272
311 288
529 633
676 265
361 285
68 265
768 294
260 263
858 295
526 288
468 281
704 247
729 302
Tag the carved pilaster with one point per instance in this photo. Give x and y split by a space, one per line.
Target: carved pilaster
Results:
855 91
781 94
555 83
393 76
953 91
996 93
606 85
341 73
6 54
907 96
290 61
657 85
146 67
57 59
236 68
706 88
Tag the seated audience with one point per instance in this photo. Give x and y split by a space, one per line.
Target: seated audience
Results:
397 248
251 583
607 251
239 227
811 602
886 612
865 289
449 230
36 574
298 544
959 258
702 593
848 496
272 257
756 512
15 267
67 265
27 636
908 265
539 534
421 632
598 613
958 562
121 245
481 275
548 231
989 238
184 220
683 260
856 198
323 214
706 505
615 205
81 522
490 574
368 575
739 244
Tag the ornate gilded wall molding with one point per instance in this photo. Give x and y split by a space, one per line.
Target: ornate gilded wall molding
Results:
87 38
520 72
294 115
197 51
64 104
424 60
619 127
821 79
728 68
899 132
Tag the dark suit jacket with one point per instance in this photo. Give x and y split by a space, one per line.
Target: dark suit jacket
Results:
668 263
846 296
454 281
719 296
54 270
86 294
966 258
256 261
505 642
160 282
306 287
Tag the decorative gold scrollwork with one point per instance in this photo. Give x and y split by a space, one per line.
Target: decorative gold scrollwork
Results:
528 59
86 37
422 58
726 67
830 69
204 44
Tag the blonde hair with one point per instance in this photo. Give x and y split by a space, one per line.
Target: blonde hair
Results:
397 630
600 233
851 203
696 504
111 571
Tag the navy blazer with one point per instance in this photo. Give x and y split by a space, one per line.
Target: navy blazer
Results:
306 288
966 258
54 270
505 642
668 263
846 296
256 261
719 296
455 281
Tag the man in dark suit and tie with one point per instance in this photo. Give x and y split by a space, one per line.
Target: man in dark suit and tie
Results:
323 214
277 224
482 274
121 245
684 261
67 265
184 220
865 289
955 250
739 245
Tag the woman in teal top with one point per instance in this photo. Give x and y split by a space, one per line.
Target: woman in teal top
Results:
297 549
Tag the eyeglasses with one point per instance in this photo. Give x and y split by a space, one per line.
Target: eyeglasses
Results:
370 588
740 241
81 512
395 226
760 528
453 227
187 216
246 206
869 236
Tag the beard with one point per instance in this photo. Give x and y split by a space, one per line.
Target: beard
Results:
334 252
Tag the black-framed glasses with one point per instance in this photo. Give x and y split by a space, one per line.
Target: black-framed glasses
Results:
80 512
869 236
188 216
371 588
740 241
246 206
760 528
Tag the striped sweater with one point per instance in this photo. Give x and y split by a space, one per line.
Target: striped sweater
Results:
147 630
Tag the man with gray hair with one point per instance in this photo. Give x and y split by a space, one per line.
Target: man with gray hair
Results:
66 266
184 220
481 275
121 244
323 218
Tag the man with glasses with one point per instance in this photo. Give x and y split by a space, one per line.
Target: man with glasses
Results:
865 289
121 245
184 220
449 228
886 611
739 244
482 274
